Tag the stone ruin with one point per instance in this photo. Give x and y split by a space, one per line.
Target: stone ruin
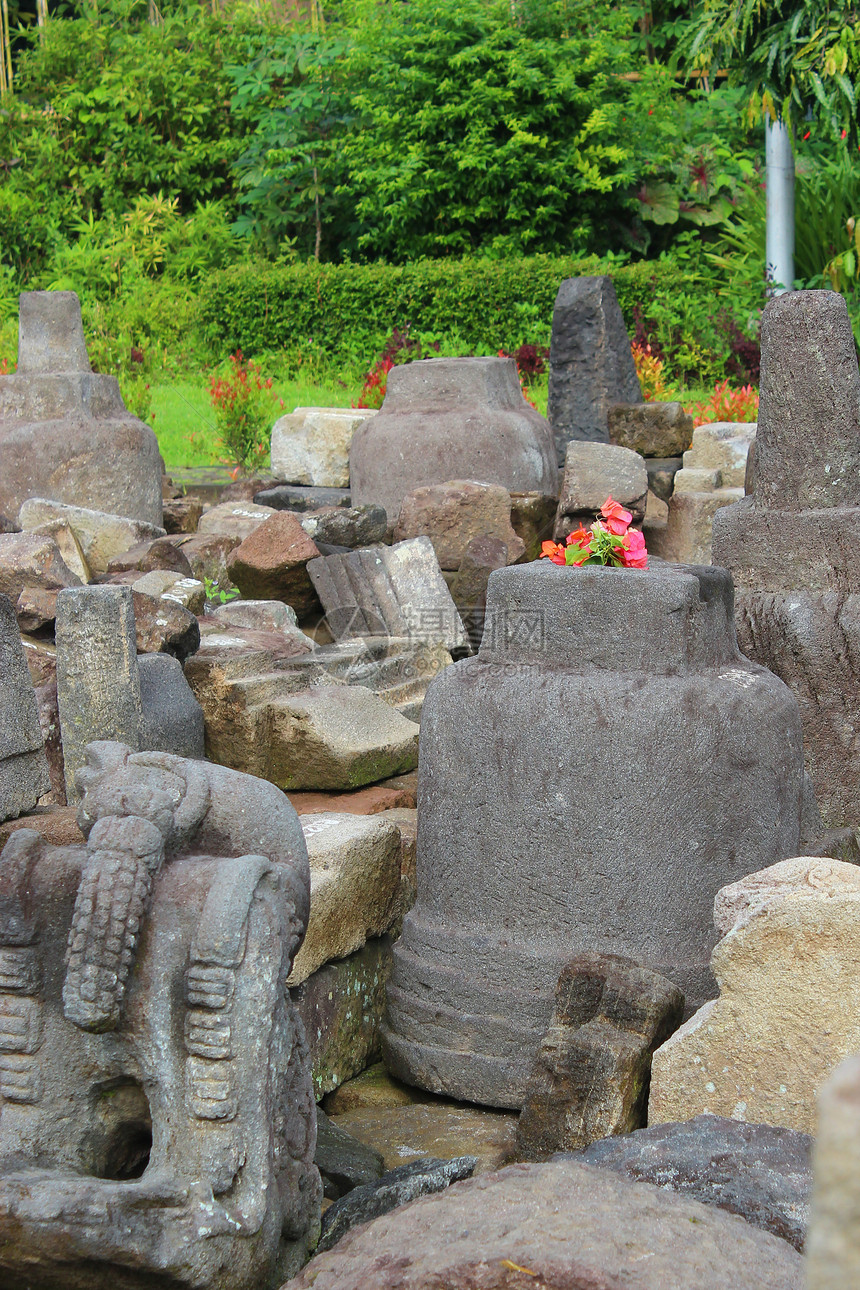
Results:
157 1112
451 418
587 783
603 774
91 451
590 364
791 545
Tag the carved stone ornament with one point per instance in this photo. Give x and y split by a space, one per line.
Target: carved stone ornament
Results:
157 1122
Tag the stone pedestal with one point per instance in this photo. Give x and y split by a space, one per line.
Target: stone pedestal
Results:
65 433
451 418
792 545
589 782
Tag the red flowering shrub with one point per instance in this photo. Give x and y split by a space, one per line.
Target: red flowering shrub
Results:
610 540
649 369
243 403
399 348
726 404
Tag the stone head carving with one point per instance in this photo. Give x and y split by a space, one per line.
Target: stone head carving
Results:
156 1110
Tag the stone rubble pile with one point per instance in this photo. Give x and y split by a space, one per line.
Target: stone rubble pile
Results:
375 894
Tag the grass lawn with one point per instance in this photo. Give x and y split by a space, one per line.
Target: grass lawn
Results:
185 427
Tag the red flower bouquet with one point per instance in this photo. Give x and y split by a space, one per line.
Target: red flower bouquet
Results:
610 540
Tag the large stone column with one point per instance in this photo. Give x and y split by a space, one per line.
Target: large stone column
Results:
792 546
588 783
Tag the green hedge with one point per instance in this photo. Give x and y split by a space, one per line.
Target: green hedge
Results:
349 310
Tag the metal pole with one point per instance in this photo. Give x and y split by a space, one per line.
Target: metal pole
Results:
779 166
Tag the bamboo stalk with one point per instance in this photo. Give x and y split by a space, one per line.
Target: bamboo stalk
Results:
42 12
6 51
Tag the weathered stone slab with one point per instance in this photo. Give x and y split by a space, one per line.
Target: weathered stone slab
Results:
393 591
296 497
593 472
590 363
101 535
833 1246
352 526
355 882
234 519
451 418
518 870
590 1076
446 1130
163 625
159 553
760 1172
687 536
453 514
31 563
23 766
311 445
373 1087
651 429
788 971
344 1162
65 432
271 563
98 685
483 1232
341 1007
162 585
423 1177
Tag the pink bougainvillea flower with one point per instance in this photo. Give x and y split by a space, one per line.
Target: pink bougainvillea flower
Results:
552 551
633 553
615 518
579 537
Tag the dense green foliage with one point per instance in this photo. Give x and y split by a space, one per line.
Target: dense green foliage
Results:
791 55
210 180
333 309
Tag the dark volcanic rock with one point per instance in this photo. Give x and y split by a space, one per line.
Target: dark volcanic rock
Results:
758 1171
407 1182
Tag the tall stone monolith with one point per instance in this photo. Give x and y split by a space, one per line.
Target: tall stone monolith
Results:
98 683
792 545
588 783
590 364
23 766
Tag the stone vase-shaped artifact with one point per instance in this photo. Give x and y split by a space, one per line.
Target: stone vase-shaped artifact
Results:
452 418
587 783
65 433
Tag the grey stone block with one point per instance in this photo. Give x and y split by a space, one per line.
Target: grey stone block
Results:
172 719
792 545
65 433
98 684
388 591
23 765
422 1177
451 418
590 363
